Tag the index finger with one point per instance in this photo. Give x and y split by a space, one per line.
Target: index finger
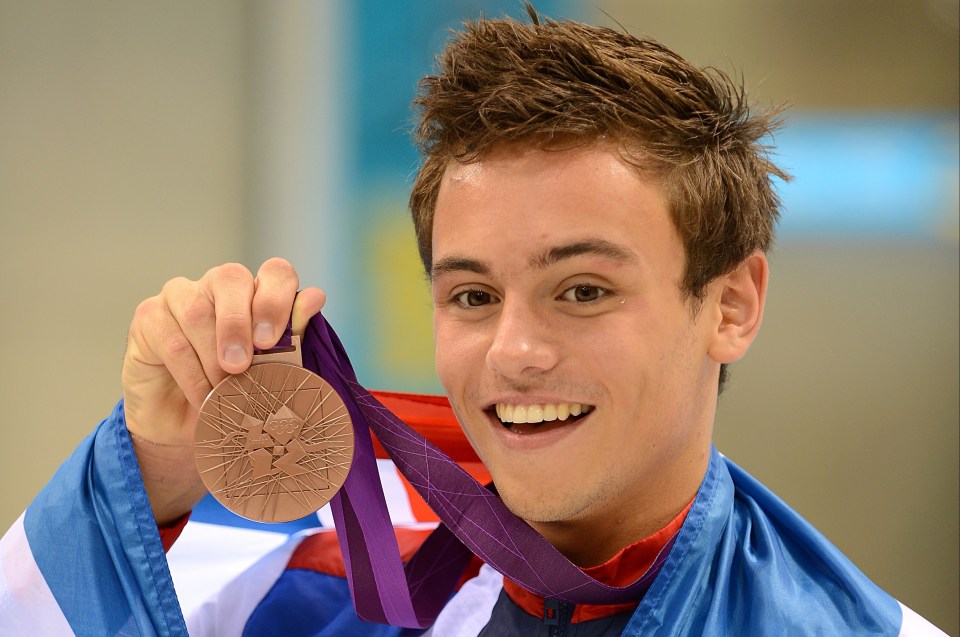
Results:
231 288
273 299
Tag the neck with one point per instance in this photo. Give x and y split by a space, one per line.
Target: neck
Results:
594 539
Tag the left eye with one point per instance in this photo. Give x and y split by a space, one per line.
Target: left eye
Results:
583 293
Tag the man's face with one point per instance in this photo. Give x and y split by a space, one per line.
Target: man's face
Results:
555 283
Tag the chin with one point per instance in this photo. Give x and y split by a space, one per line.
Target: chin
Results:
543 503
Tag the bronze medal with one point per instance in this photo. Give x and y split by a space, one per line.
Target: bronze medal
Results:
274 443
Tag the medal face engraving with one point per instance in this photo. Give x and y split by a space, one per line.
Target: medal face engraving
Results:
274 443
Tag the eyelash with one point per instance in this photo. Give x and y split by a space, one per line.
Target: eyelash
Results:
602 293
461 298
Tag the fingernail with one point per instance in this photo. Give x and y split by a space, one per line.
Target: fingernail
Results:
234 355
263 333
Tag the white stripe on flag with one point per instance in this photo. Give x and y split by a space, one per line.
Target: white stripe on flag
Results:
469 611
27 607
398 503
227 612
916 626
207 556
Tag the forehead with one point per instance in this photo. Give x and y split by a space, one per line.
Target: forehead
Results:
527 165
532 200
522 211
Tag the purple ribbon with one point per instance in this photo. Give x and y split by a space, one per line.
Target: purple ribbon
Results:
473 518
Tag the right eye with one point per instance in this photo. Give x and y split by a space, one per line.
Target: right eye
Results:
473 298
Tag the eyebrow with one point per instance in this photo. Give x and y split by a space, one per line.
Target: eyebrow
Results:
594 247
451 264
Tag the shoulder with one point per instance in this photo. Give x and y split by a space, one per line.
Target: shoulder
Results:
783 571
745 563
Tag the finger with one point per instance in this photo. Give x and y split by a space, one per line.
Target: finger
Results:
196 319
156 342
308 302
275 289
230 286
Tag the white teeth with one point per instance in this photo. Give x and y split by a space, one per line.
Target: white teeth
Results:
520 413
535 413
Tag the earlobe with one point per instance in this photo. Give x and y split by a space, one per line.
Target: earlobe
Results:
741 301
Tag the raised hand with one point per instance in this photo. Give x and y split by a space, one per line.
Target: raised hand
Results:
184 341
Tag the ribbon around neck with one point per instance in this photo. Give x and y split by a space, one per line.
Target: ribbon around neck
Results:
473 518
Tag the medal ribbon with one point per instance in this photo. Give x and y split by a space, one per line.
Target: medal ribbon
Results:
473 518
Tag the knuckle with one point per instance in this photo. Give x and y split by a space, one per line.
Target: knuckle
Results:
230 272
176 288
232 317
280 273
177 347
279 264
149 316
147 308
272 300
176 283
197 311
196 385
277 282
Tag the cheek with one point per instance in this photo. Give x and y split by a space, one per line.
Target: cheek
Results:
442 360
456 353
638 359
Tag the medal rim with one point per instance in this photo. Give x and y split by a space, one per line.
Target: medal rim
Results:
199 450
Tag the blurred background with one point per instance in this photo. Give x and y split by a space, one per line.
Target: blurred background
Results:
140 141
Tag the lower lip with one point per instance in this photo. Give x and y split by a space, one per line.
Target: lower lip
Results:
533 437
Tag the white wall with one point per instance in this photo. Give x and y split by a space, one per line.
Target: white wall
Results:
120 167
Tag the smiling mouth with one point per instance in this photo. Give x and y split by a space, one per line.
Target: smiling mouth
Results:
510 414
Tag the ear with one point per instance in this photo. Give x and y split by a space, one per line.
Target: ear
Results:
742 295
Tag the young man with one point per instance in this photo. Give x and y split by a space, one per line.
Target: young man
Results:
593 213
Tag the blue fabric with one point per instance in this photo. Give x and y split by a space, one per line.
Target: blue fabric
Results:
743 564
94 538
746 564
210 511
305 603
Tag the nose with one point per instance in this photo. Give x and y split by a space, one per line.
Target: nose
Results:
522 345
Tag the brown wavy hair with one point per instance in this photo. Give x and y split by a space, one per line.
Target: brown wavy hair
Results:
556 84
